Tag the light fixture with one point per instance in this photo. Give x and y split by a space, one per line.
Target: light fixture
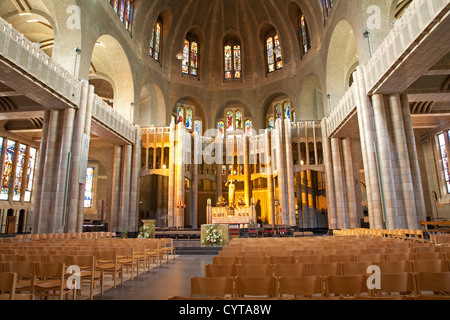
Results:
179 56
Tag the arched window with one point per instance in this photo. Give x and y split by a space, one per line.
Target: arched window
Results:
230 126
248 127
271 123
273 53
190 57
221 128
125 11
189 119
305 38
232 61
155 41
239 121
326 7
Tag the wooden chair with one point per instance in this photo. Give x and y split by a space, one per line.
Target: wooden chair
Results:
225 260
220 270
140 257
429 266
353 268
254 270
354 285
50 281
374 258
8 286
253 260
434 283
25 271
290 270
107 262
282 260
89 274
428 256
340 258
399 256
324 269
256 287
10 257
304 287
395 283
125 257
212 287
153 252
311 259
395 266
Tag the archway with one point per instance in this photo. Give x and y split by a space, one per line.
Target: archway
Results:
342 56
152 106
311 100
109 61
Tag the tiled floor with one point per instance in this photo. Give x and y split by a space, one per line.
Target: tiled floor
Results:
171 279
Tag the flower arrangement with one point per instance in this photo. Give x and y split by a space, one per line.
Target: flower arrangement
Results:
145 232
221 202
241 201
213 237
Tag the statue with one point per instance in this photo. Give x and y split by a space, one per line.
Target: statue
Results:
231 192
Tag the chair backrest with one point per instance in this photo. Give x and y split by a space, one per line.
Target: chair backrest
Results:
21 268
220 270
256 286
50 270
353 268
254 260
301 286
353 285
254 270
225 260
395 266
428 256
429 266
8 286
371 257
340 258
212 286
66 259
290 270
10 257
432 282
401 283
324 269
282 259
84 262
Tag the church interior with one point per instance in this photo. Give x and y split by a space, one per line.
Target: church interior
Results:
291 119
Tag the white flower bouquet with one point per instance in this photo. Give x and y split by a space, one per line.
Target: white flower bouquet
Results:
213 237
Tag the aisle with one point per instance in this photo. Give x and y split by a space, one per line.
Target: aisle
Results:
172 279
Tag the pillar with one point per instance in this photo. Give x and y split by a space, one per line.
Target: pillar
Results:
171 202
269 172
115 199
289 174
328 162
350 183
339 185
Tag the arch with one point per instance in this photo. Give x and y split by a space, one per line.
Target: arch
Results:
152 106
233 104
311 99
110 60
304 40
199 109
342 56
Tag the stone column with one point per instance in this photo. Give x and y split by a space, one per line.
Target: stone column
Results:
179 177
135 168
385 162
289 174
125 188
339 185
328 162
49 174
247 172
401 146
269 172
115 199
281 171
39 174
371 171
414 161
62 187
350 183
171 202
193 212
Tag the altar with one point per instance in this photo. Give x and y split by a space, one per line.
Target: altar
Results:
241 216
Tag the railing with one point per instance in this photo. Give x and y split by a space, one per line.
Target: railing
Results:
343 110
29 57
405 34
107 116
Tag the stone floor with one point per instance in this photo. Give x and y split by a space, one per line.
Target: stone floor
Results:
171 279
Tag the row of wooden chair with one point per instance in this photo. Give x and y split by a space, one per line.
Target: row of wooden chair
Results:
36 280
323 269
59 236
434 285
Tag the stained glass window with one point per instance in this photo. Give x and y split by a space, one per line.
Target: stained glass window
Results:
125 11
155 41
287 110
17 191
279 111
189 119
274 53
444 160
180 113
304 34
270 55
237 62
271 124
230 126
326 6
190 58
194 58
7 170
228 62
221 128
248 127
185 63
30 174
89 188
239 123
198 127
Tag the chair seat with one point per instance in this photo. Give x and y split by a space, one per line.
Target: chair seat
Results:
87 274
49 284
